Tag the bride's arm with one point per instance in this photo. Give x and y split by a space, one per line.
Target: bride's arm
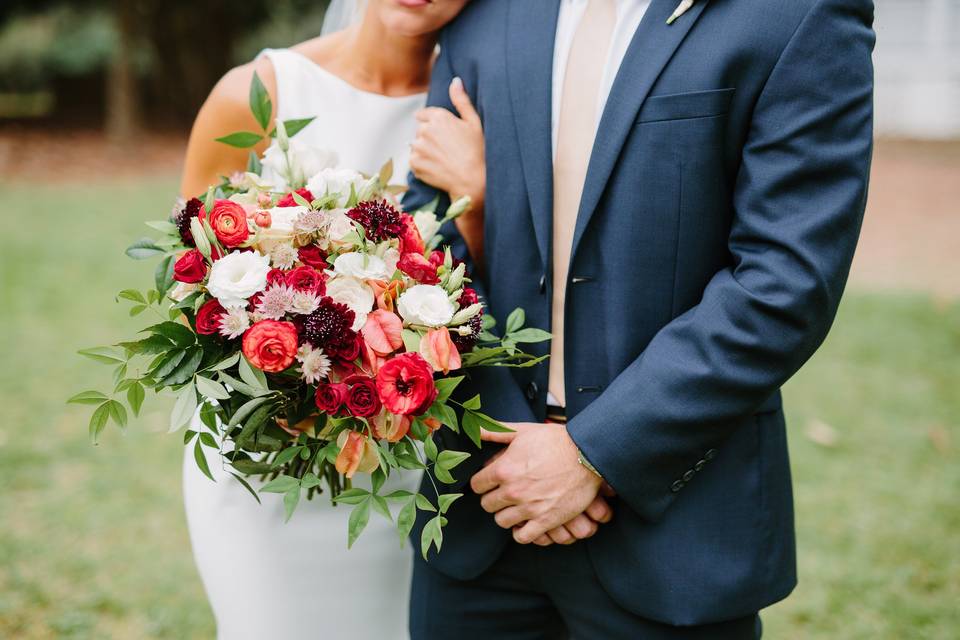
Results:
225 111
448 154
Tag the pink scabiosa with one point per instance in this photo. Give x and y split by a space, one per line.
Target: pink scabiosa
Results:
379 219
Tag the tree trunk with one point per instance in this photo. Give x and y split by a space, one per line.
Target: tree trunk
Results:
123 105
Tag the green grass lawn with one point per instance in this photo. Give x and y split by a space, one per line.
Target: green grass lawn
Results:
93 542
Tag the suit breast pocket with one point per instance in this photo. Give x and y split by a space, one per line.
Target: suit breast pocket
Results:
685 106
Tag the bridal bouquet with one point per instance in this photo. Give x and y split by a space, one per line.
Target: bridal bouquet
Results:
314 328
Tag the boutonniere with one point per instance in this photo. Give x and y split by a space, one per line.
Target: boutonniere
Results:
681 9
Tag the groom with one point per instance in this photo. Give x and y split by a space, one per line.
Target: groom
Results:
678 200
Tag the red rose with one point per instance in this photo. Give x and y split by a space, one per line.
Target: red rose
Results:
307 279
330 397
468 297
190 268
418 268
405 384
312 256
271 345
276 276
288 201
229 222
437 257
410 239
350 350
208 317
362 399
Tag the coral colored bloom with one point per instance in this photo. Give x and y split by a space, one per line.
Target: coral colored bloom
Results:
390 427
410 239
356 454
418 268
383 332
405 384
386 293
229 222
271 345
262 219
438 349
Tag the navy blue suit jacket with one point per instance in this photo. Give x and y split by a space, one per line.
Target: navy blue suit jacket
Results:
719 217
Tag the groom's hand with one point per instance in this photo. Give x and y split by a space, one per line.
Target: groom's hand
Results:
537 484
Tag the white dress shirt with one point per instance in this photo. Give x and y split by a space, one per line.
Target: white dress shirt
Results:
629 14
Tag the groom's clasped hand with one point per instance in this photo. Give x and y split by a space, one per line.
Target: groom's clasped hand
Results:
537 486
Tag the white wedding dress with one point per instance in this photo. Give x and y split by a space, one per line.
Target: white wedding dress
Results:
270 579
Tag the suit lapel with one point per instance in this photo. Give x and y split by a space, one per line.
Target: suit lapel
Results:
650 50
531 30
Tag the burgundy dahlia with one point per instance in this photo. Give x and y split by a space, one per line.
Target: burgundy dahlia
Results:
193 209
330 327
380 220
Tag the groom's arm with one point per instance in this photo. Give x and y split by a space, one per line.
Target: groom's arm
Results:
799 200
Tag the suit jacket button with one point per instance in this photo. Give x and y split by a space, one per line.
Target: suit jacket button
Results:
676 486
688 476
543 283
533 390
710 455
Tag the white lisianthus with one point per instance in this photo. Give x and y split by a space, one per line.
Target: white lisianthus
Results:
284 219
237 276
289 170
338 180
364 266
427 224
426 305
355 294
338 225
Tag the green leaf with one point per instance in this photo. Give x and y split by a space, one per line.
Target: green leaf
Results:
208 440
280 484
212 389
377 479
144 248
423 503
490 424
201 460
530 335
148 346
208 416
253 425
515 320
473 403
117 413
290 500
133 295
106 355
163 226
251 375
260 104
449 459
380 506
359 518
98 421
188 435
293 127
163 275
430 448
185 370
399 494
183 408
443 475
310 480
245 410
246 485
405 520
135 396
225 364
250 467
411 340
87 397
241 139
168 363
446 386
242 387
446 500
352 496
432 535
448 416
471 426
286 456
182 335
253 163
137 309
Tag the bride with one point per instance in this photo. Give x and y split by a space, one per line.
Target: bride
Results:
365 80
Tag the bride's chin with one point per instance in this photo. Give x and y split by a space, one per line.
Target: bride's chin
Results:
414 18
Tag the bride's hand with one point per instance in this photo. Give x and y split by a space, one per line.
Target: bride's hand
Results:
448 153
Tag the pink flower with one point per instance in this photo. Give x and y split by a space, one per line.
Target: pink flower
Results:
438 349
356 454
390 427
405 383
383 332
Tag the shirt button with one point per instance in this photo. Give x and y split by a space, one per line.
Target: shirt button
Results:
543 283
533 390
710 455
676 486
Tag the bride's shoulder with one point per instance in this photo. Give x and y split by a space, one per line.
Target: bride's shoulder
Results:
231 94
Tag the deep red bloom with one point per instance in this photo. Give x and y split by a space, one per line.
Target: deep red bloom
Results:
418 268
410 239
288 201
330 397
193 209
208 317
276 276
467 342
312 256
363 400
307 279
405 384
436 257
468 297
330 328
190 268
379 219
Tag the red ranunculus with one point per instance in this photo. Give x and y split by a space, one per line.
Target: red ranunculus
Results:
307 279
190 268
288 201
313 256
405 384
229 222
468 297
410 239
330 397
208 317
271 345
276 276
362 399
418 268
436 257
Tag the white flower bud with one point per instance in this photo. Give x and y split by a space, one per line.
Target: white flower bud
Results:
200 237
465 315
